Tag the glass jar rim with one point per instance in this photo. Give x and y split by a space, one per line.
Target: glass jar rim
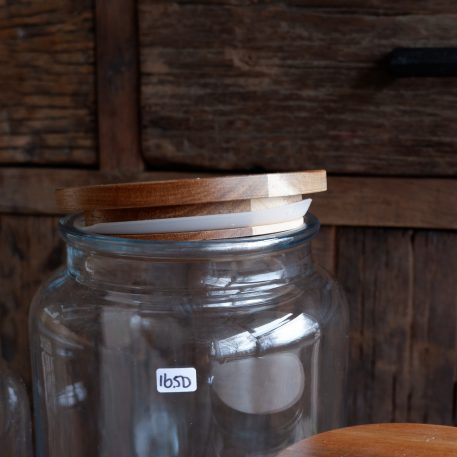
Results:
257 244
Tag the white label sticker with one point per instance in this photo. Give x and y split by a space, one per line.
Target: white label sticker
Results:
171 380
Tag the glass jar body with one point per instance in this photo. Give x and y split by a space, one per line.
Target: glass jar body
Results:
220 349
15 426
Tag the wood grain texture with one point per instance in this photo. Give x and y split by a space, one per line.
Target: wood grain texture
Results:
375 269
293 84
117 86
233 206
433 396
402 293
388 202
31 250
356 201
379 440
149 194
32 191
47 82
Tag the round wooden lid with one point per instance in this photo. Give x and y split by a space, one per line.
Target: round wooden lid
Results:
189 191
383 440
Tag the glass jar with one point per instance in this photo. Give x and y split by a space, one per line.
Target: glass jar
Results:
227 348
15 427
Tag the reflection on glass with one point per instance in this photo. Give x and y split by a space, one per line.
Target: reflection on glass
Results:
264 330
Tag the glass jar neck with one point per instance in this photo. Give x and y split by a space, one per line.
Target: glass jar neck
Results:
212 270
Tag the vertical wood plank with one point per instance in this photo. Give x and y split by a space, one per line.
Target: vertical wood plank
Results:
434 351
323 247
374 267
118 86
31 249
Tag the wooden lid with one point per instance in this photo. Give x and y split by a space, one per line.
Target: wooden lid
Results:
193 197
383 440
189 191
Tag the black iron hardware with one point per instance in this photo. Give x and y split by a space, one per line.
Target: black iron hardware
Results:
423 62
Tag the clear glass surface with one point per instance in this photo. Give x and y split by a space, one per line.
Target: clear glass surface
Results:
15 427
261 327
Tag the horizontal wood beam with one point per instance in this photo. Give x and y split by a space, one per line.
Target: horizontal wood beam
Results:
353 201
389 202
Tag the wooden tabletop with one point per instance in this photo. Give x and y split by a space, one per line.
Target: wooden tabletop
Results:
383 440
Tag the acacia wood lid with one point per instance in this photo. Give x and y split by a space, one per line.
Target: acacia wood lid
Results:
379 440
189 191
193 197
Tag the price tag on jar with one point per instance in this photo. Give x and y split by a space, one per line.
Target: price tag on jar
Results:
175 380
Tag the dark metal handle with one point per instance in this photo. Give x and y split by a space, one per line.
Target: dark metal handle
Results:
423 62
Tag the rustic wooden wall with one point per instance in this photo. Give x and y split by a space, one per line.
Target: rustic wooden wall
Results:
47 110
96 92
292 84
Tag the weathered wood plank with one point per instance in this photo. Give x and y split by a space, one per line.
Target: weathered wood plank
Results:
374 267
434 329
31 250
323 248
388 202
354 201
47 82
118 86
302 88
403 304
